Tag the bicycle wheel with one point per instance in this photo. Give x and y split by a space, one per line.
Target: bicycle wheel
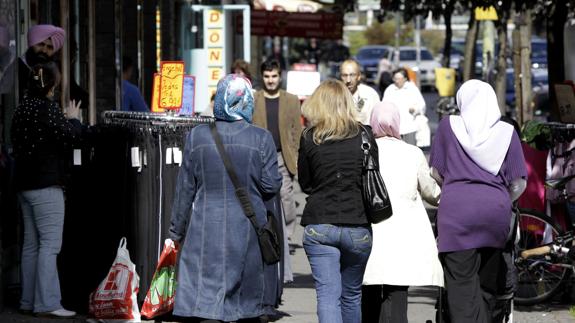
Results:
538 278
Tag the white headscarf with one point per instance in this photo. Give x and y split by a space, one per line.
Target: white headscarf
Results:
478 129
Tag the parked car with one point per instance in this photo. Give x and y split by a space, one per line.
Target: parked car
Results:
538 53
427 65
368 57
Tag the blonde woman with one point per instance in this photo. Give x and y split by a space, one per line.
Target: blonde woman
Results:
337 235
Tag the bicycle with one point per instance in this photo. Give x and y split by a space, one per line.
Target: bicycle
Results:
553 263
539 277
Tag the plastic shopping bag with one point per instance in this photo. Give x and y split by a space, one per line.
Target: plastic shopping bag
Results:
160 297
115 299
423 133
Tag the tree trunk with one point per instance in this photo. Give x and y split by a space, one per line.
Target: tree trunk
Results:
445 61
501 75
555 53
469 54
522 66
525 31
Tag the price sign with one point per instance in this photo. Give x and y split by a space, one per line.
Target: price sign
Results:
171 85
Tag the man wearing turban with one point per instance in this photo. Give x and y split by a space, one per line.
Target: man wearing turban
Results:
43 42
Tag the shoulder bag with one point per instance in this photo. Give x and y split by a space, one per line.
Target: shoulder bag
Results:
268 236
375 196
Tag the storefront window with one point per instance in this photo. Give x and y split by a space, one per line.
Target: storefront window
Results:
7 66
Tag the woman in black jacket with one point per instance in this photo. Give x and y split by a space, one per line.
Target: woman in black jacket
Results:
42 139
337 235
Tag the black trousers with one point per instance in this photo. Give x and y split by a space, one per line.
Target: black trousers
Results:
472 278
384 304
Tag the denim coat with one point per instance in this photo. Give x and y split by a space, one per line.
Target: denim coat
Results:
221 274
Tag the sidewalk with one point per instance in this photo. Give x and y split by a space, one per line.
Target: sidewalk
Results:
299 298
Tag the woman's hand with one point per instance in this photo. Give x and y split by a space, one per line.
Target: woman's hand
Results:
73 110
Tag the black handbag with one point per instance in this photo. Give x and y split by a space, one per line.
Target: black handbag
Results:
268 237
375 196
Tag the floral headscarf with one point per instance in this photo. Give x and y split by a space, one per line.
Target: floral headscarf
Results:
234 99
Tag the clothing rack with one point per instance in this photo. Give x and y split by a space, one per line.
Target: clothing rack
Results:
114 117
131 160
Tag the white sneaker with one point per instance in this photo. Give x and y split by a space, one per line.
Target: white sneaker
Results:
58 313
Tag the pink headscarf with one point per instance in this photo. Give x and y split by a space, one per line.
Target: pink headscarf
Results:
39 33
385 120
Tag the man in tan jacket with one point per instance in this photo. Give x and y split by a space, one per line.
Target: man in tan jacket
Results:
279 112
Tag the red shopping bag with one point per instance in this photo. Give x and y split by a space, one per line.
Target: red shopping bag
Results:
115 299
160 297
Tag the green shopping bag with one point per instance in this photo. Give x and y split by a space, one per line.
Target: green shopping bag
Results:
160 297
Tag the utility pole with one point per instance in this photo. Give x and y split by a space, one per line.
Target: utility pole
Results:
418 47
397 31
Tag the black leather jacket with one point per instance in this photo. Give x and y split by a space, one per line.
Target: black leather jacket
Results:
331 174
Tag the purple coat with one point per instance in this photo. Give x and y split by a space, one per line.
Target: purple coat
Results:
475 207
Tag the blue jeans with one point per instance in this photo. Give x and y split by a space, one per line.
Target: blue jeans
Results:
43 213
337 255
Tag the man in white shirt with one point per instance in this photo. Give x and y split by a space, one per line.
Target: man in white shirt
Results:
364 96
408 99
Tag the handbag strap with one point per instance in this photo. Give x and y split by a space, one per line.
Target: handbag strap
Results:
240 191
365 142
369 162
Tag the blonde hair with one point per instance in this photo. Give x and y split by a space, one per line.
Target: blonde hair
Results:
331 112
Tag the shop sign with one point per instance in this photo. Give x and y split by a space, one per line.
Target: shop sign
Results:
215 46
294 24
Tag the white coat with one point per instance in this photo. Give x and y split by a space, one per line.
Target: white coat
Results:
404 251
405 98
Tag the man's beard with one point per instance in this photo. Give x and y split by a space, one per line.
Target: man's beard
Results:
33 58
272 90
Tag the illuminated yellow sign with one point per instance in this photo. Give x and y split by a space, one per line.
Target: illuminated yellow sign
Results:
171 85
215 47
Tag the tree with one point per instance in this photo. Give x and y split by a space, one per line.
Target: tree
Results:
384 33
448 7
469 51
556 17
554 13
503 13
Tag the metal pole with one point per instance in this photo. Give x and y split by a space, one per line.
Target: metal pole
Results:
76 66
65 84
92 61
118 51
140 23
247 35
418 47
397 31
